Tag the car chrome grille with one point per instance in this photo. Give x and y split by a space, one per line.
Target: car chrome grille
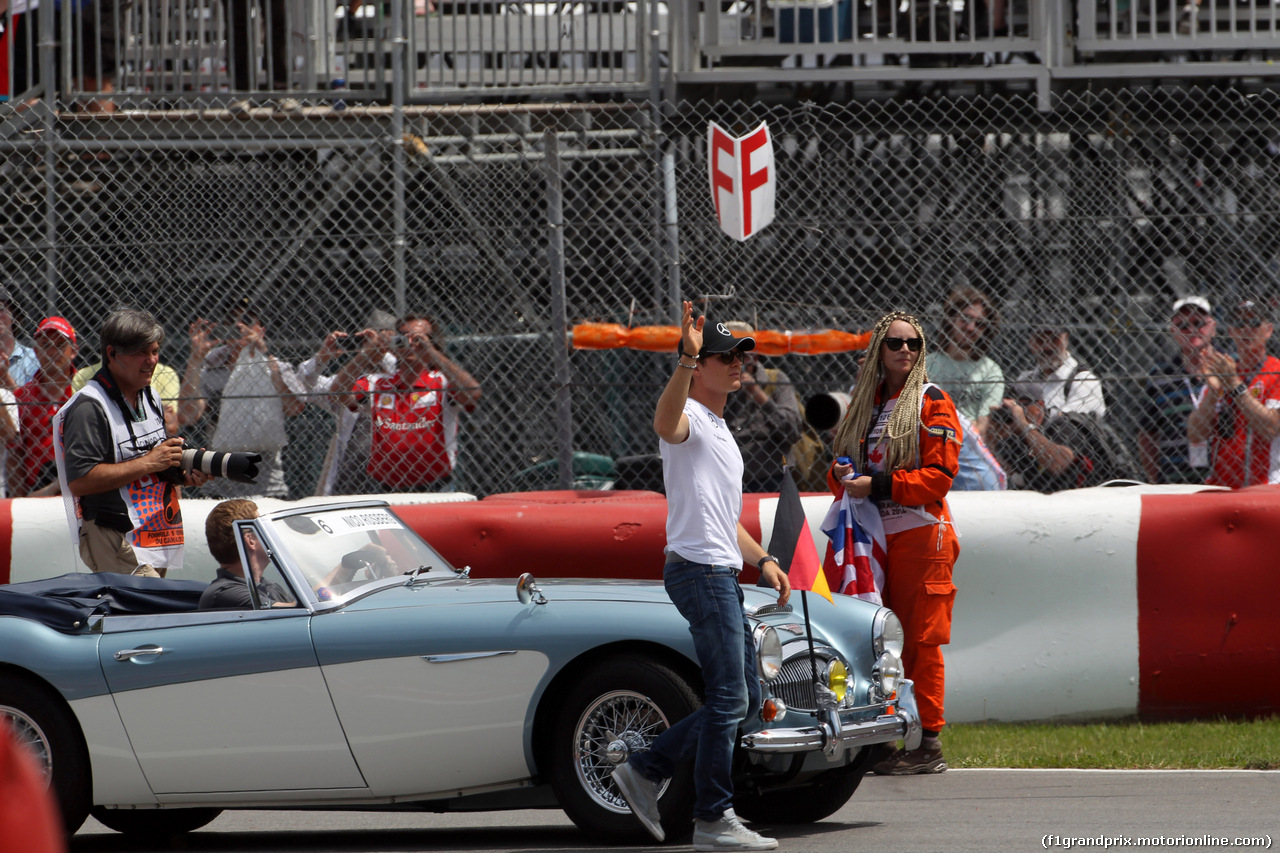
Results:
794 684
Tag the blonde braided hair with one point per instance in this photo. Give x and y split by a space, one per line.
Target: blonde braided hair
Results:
903 430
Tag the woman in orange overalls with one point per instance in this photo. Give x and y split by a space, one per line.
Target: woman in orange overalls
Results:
904 438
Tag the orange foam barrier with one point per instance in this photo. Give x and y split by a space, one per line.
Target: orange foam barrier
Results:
598 336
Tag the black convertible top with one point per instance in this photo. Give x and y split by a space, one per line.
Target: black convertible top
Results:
65 603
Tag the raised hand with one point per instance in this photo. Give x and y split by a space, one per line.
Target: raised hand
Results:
691 331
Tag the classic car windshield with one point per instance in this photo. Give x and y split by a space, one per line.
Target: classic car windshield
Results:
342 549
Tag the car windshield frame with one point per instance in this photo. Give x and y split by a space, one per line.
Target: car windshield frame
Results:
371 524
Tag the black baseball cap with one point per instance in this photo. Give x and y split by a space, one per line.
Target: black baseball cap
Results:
716 338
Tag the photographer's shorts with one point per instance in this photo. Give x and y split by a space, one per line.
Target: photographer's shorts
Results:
105 550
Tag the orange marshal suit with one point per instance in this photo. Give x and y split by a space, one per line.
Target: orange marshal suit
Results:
922 543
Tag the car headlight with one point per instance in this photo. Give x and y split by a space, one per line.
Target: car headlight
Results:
837 677
768 652
886 633
888 673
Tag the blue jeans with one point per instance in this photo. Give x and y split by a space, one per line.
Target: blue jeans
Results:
710 598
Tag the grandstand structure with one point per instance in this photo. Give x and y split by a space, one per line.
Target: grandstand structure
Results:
519 167
446 51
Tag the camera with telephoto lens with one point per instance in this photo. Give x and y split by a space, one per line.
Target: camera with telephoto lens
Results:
240 467
1001 415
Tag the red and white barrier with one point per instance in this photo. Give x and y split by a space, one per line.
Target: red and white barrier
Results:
1084 604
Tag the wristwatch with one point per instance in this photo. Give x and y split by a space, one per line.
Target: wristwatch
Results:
766 558
1240 390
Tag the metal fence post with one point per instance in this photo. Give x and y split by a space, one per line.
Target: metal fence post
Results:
48 53
398 71
559 320
673 227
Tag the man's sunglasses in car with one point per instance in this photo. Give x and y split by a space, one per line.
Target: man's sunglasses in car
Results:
895 344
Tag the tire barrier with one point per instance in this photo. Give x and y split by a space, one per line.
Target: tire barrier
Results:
1088 604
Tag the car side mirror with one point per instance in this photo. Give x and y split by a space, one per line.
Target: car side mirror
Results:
527 590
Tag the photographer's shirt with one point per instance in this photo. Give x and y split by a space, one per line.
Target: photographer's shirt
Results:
91 429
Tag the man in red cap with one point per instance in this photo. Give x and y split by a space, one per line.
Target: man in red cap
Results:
31 465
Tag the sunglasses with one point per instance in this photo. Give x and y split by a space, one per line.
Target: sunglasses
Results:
1189 327
895 344
731 357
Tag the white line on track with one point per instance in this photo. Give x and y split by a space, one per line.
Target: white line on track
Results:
1106 770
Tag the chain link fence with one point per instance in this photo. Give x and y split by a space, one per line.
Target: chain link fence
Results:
510 223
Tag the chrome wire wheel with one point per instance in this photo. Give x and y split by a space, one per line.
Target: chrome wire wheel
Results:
609 731
27 732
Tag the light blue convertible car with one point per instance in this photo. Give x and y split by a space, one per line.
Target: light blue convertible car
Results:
393 681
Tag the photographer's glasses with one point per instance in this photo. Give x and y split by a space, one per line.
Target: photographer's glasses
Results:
895 344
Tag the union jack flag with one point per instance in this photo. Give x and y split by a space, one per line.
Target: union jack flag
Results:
857 553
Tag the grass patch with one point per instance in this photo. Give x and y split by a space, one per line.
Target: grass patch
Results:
1220 744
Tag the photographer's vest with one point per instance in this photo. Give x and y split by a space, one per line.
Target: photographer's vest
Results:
152 505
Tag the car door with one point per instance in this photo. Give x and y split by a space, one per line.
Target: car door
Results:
434 699
226 701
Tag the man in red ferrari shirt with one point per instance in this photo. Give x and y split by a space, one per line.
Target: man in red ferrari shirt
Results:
413 413
1238 416
31 465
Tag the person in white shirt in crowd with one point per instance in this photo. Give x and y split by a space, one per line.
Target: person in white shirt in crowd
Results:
1058 379
319 386
251 393
18 362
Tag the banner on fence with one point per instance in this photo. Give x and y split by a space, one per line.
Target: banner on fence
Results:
743 179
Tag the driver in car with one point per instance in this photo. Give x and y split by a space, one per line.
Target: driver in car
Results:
373 558
230 589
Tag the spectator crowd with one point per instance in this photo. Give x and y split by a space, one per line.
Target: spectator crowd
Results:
396 397
1208 412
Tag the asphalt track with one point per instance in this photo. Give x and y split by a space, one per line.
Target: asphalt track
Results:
960 810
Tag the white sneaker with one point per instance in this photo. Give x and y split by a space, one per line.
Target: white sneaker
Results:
728 833
642 796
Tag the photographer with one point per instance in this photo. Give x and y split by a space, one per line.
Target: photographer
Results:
1068 450
411 424
114 459
250 394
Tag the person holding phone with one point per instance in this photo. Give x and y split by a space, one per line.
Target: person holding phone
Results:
902 435
408 417
320 385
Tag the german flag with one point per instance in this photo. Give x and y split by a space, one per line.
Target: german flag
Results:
792 543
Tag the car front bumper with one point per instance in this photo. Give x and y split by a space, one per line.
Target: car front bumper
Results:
903 724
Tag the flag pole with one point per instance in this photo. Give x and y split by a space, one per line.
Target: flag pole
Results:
789 531
808 630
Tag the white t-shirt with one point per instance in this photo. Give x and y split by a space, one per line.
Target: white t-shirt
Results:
703 477
1086 389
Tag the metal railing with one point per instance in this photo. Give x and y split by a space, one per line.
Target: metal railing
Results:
1035 41
156 52
145 52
